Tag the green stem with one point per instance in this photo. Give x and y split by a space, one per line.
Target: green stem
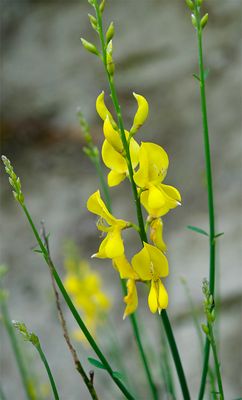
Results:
216 362
16 350
74 311
47 367
142 231
175 355
166 368
209 188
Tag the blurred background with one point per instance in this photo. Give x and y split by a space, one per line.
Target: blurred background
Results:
45 76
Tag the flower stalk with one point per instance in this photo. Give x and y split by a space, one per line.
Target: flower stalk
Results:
199 23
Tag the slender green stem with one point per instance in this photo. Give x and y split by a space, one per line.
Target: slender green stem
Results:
209 186
142 231
16 350
175 355
47 367
166 367
73 310
216 362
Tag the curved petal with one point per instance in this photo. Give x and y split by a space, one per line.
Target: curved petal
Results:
131 299
96 205
141 113
141 264
156 234
112 135
152 298
114 244
101 108
162 296
172 194
158 162
141 176
134 152
124 268
156 198
114 178
158 260
112 159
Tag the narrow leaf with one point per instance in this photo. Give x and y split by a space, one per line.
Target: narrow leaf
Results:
198 230
96 363
196 77
219 234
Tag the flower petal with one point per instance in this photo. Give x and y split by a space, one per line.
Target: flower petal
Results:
162 296
96 205
158 261
172 194
134 152
124 268
112 159
156 198
156 234
152 298
114 178
131 299
114 245
141 264
112 136
141 176
101 108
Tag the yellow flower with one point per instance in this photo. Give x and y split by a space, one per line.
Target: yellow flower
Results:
156 234
124 268
151 265
131 299
156 197
112 246
141 114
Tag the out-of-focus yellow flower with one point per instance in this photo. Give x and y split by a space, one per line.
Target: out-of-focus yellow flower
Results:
141 113
112 246
156 197
156 234
85 288
131 299
151 265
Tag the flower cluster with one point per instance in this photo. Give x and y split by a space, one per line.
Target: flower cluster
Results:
85 288
149 164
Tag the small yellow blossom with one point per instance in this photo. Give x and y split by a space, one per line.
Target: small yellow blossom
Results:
141 114
151 265
112 245
156 197
131 299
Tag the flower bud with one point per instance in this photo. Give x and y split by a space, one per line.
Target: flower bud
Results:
141 113
194 21
110 32
102 6
90 47
93 21
205 329
190 4
101 108
110 64
204 21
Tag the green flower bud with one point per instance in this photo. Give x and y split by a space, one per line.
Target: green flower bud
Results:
190 4
13 180
199 2
102 6
110 64
194 21
204 21
110 32
90 47
205 329
93 21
